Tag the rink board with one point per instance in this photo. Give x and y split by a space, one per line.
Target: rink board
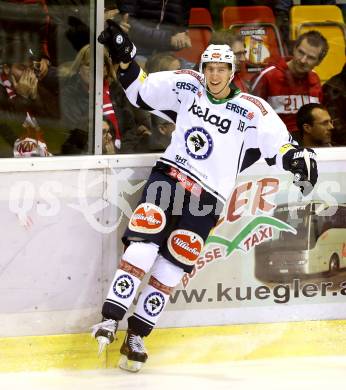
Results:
61 244
179 346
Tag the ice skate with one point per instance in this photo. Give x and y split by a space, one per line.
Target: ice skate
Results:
133 353
104 333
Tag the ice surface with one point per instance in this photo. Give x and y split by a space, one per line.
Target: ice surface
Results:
317 373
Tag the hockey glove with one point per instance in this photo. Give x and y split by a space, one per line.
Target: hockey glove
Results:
120 48
301 162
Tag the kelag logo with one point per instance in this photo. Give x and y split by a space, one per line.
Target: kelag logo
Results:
223 125
258 230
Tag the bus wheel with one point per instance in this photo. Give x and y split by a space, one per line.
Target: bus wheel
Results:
334 264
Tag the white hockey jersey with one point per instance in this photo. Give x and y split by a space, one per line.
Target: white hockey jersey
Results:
214 140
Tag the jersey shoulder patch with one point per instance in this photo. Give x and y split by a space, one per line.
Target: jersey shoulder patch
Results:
256 101
192 73
187 81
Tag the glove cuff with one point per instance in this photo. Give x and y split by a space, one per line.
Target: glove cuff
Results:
280 160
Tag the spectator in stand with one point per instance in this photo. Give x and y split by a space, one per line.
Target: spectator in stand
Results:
137 131
23 89
108 108
315 125
334 97
162 61
107 137
239 49
75 102
25 23
291 83
28 92
157 26
237 44
282 15
31 142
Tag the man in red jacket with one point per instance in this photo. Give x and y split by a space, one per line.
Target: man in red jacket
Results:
288 85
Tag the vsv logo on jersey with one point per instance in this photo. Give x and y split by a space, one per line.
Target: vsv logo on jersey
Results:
223 125
147 218
185 246
198 143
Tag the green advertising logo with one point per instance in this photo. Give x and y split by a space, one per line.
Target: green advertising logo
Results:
232 245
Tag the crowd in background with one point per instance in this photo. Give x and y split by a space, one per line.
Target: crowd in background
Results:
46 77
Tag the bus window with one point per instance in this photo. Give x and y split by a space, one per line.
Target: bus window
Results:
298 220
339 218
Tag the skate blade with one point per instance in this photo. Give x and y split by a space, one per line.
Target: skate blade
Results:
102 342
129 365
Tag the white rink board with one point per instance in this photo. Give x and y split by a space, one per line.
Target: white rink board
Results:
61 241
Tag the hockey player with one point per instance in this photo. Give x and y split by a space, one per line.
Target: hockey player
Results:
219 132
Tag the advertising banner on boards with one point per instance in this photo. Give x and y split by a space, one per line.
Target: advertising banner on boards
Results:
273 249
274 256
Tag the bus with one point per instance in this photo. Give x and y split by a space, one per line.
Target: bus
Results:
317 248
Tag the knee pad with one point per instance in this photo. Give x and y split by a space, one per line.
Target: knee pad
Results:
166 272
141 254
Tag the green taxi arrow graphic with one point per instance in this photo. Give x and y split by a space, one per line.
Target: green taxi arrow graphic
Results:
250 227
